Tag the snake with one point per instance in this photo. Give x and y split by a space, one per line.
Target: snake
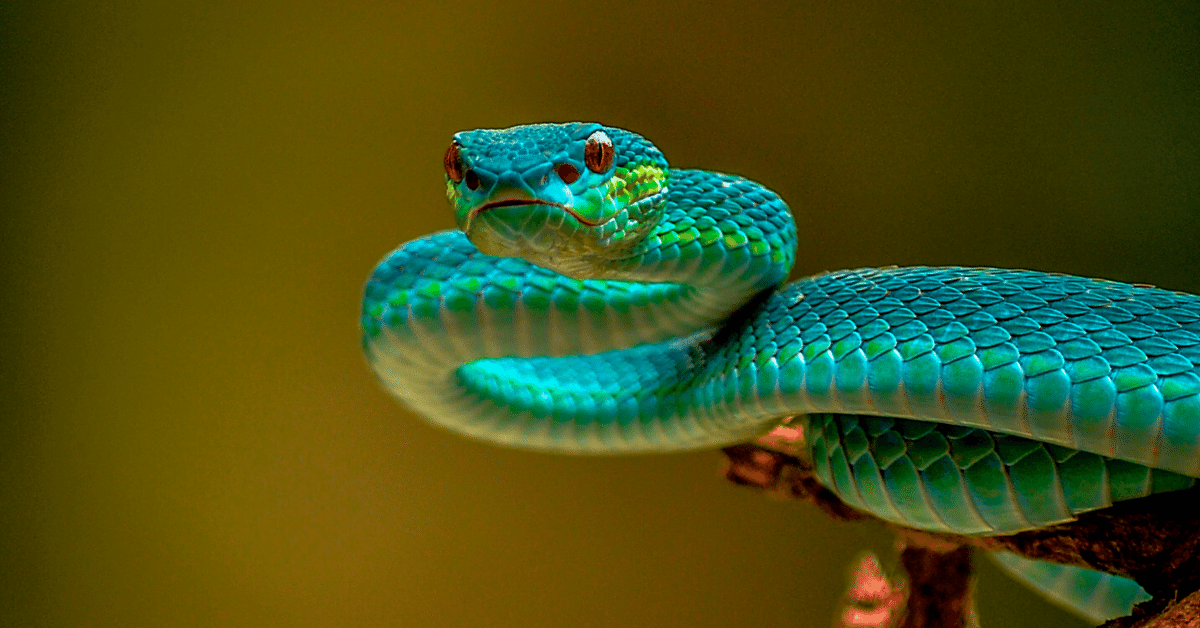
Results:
595 300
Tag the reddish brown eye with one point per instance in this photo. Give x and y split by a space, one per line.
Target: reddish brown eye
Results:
453 163
567 173
598 152
472 180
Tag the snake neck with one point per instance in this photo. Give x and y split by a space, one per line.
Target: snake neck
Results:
723 237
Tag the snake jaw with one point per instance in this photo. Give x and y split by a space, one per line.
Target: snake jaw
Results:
512 222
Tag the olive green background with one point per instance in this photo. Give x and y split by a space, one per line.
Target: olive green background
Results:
194 192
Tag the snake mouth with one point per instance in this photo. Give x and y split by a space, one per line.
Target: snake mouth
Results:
512 202
517 202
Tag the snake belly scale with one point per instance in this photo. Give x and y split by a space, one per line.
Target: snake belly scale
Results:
596 301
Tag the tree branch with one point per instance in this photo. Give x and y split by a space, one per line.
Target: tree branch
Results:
1152 540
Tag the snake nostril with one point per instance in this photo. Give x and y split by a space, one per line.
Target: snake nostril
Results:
567 173
472 180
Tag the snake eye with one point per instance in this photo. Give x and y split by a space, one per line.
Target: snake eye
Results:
598 152
453 163
567 173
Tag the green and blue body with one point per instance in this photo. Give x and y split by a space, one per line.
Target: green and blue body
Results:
641 309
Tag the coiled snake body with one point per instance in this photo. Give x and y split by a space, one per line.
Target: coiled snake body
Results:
596 301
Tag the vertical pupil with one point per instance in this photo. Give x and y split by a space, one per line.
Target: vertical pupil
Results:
598 154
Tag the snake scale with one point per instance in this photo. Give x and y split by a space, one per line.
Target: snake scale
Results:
595 300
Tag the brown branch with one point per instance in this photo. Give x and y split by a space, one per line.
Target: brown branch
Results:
1184 613
1152 540
939 585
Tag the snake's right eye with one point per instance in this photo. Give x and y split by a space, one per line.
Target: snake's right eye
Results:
453 163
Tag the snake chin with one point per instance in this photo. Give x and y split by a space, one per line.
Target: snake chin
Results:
547 234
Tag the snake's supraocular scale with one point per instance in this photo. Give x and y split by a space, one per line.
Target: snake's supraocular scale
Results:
597 301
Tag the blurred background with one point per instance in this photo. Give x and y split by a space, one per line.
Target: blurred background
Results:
194 192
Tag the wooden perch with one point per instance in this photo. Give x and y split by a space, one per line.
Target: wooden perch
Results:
1153 540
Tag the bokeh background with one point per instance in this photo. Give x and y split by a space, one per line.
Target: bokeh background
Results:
194 192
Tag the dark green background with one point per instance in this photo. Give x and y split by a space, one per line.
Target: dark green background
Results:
194 192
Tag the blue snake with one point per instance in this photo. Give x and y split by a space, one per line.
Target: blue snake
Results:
595 300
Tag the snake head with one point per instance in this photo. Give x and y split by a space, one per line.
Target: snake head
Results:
569 197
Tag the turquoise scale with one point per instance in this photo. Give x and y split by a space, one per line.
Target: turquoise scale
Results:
964 400
965 480
1095 596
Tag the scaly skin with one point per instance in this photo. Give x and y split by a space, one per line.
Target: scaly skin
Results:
638 308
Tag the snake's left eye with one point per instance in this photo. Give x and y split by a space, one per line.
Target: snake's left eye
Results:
598 152
453 163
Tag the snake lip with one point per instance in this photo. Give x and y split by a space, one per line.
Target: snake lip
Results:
516 202
512 202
